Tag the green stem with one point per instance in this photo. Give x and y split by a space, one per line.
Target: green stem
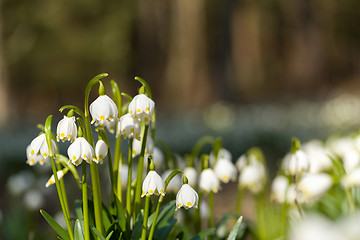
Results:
350 200
146 215
85 203
152 229
197 214
211 208
284 219
97 196
112 179
128 189
239 200
140 173
117 168
64 195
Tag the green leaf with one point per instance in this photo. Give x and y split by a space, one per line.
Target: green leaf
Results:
165 222
117 96
101 237
203 234
109 235
58 229
120 214
136 233
235 229
78 231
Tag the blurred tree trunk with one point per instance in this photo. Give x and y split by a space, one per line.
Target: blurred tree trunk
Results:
4 109
186 78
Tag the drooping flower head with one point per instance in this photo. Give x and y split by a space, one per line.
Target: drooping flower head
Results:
278 189
101 150
208 181
187 197
66 129
253 177
33 159
129 127
38 146
149 149
225 170
313 186
103 109
60 174
298 163
80 150
153 184
191 175
142 108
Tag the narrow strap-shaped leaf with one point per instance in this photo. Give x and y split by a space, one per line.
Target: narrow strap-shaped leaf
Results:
120 214
235 229
58 229
78 231
101 237
203 234
109 235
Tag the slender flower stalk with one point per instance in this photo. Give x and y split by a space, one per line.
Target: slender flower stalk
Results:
85 204
57 182
146 215
128 188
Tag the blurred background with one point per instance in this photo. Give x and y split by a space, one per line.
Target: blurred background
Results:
252 72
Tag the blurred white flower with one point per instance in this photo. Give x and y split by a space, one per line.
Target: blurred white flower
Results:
18 183
149 149
153 184
129 127
351 179
33 199
318 156
278 189
208 181
225 170
253 177
191 175
103 109
142 108
223 153
351 159
313 186
175 183
101 150
298 163
187 197
39 146
241 162
60 174
66 129
80 149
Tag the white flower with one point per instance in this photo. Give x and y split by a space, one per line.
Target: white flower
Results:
129 127
101 150
142 108
318 156
278 189
208 181
33 199
253 177
149 149
351 179
225 170
223 153
153 184
187 197
110 125
33 159
39 146
66 129
60 174
351 160
175 183
80 149
103 109
313 186
241 162
191 175
298 163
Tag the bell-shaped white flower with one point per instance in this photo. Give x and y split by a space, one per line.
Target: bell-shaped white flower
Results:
318 156
187 197
223 153
149 149
352 179
253 177
278 189
153 184
129 127
298 163
142 108
66 129
60 174
33 159
103 109
208 181
313 186
191 175
39 146
225 170
175 183
80 150
101 150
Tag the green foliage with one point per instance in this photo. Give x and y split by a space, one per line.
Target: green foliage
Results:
58 229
